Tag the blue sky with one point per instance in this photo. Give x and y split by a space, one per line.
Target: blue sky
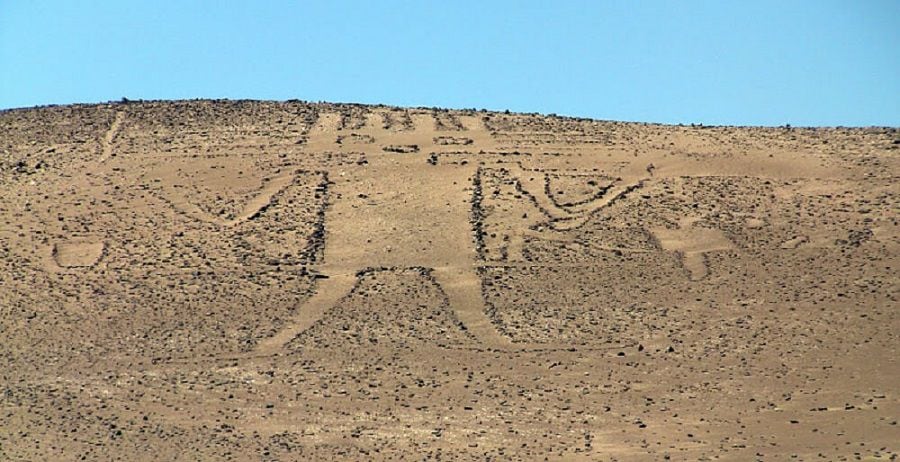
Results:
715 62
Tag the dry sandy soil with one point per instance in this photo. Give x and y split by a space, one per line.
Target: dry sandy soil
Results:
241 280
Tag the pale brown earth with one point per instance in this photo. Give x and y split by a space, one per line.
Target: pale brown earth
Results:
240 280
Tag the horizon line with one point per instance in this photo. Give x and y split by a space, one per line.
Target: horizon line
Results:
125 101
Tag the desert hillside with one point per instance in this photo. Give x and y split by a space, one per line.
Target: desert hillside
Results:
243 280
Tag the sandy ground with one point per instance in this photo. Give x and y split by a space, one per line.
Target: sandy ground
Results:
241 280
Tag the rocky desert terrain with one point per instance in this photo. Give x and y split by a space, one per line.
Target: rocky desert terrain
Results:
279 281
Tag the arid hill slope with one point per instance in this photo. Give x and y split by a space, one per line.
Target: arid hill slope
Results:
241 280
